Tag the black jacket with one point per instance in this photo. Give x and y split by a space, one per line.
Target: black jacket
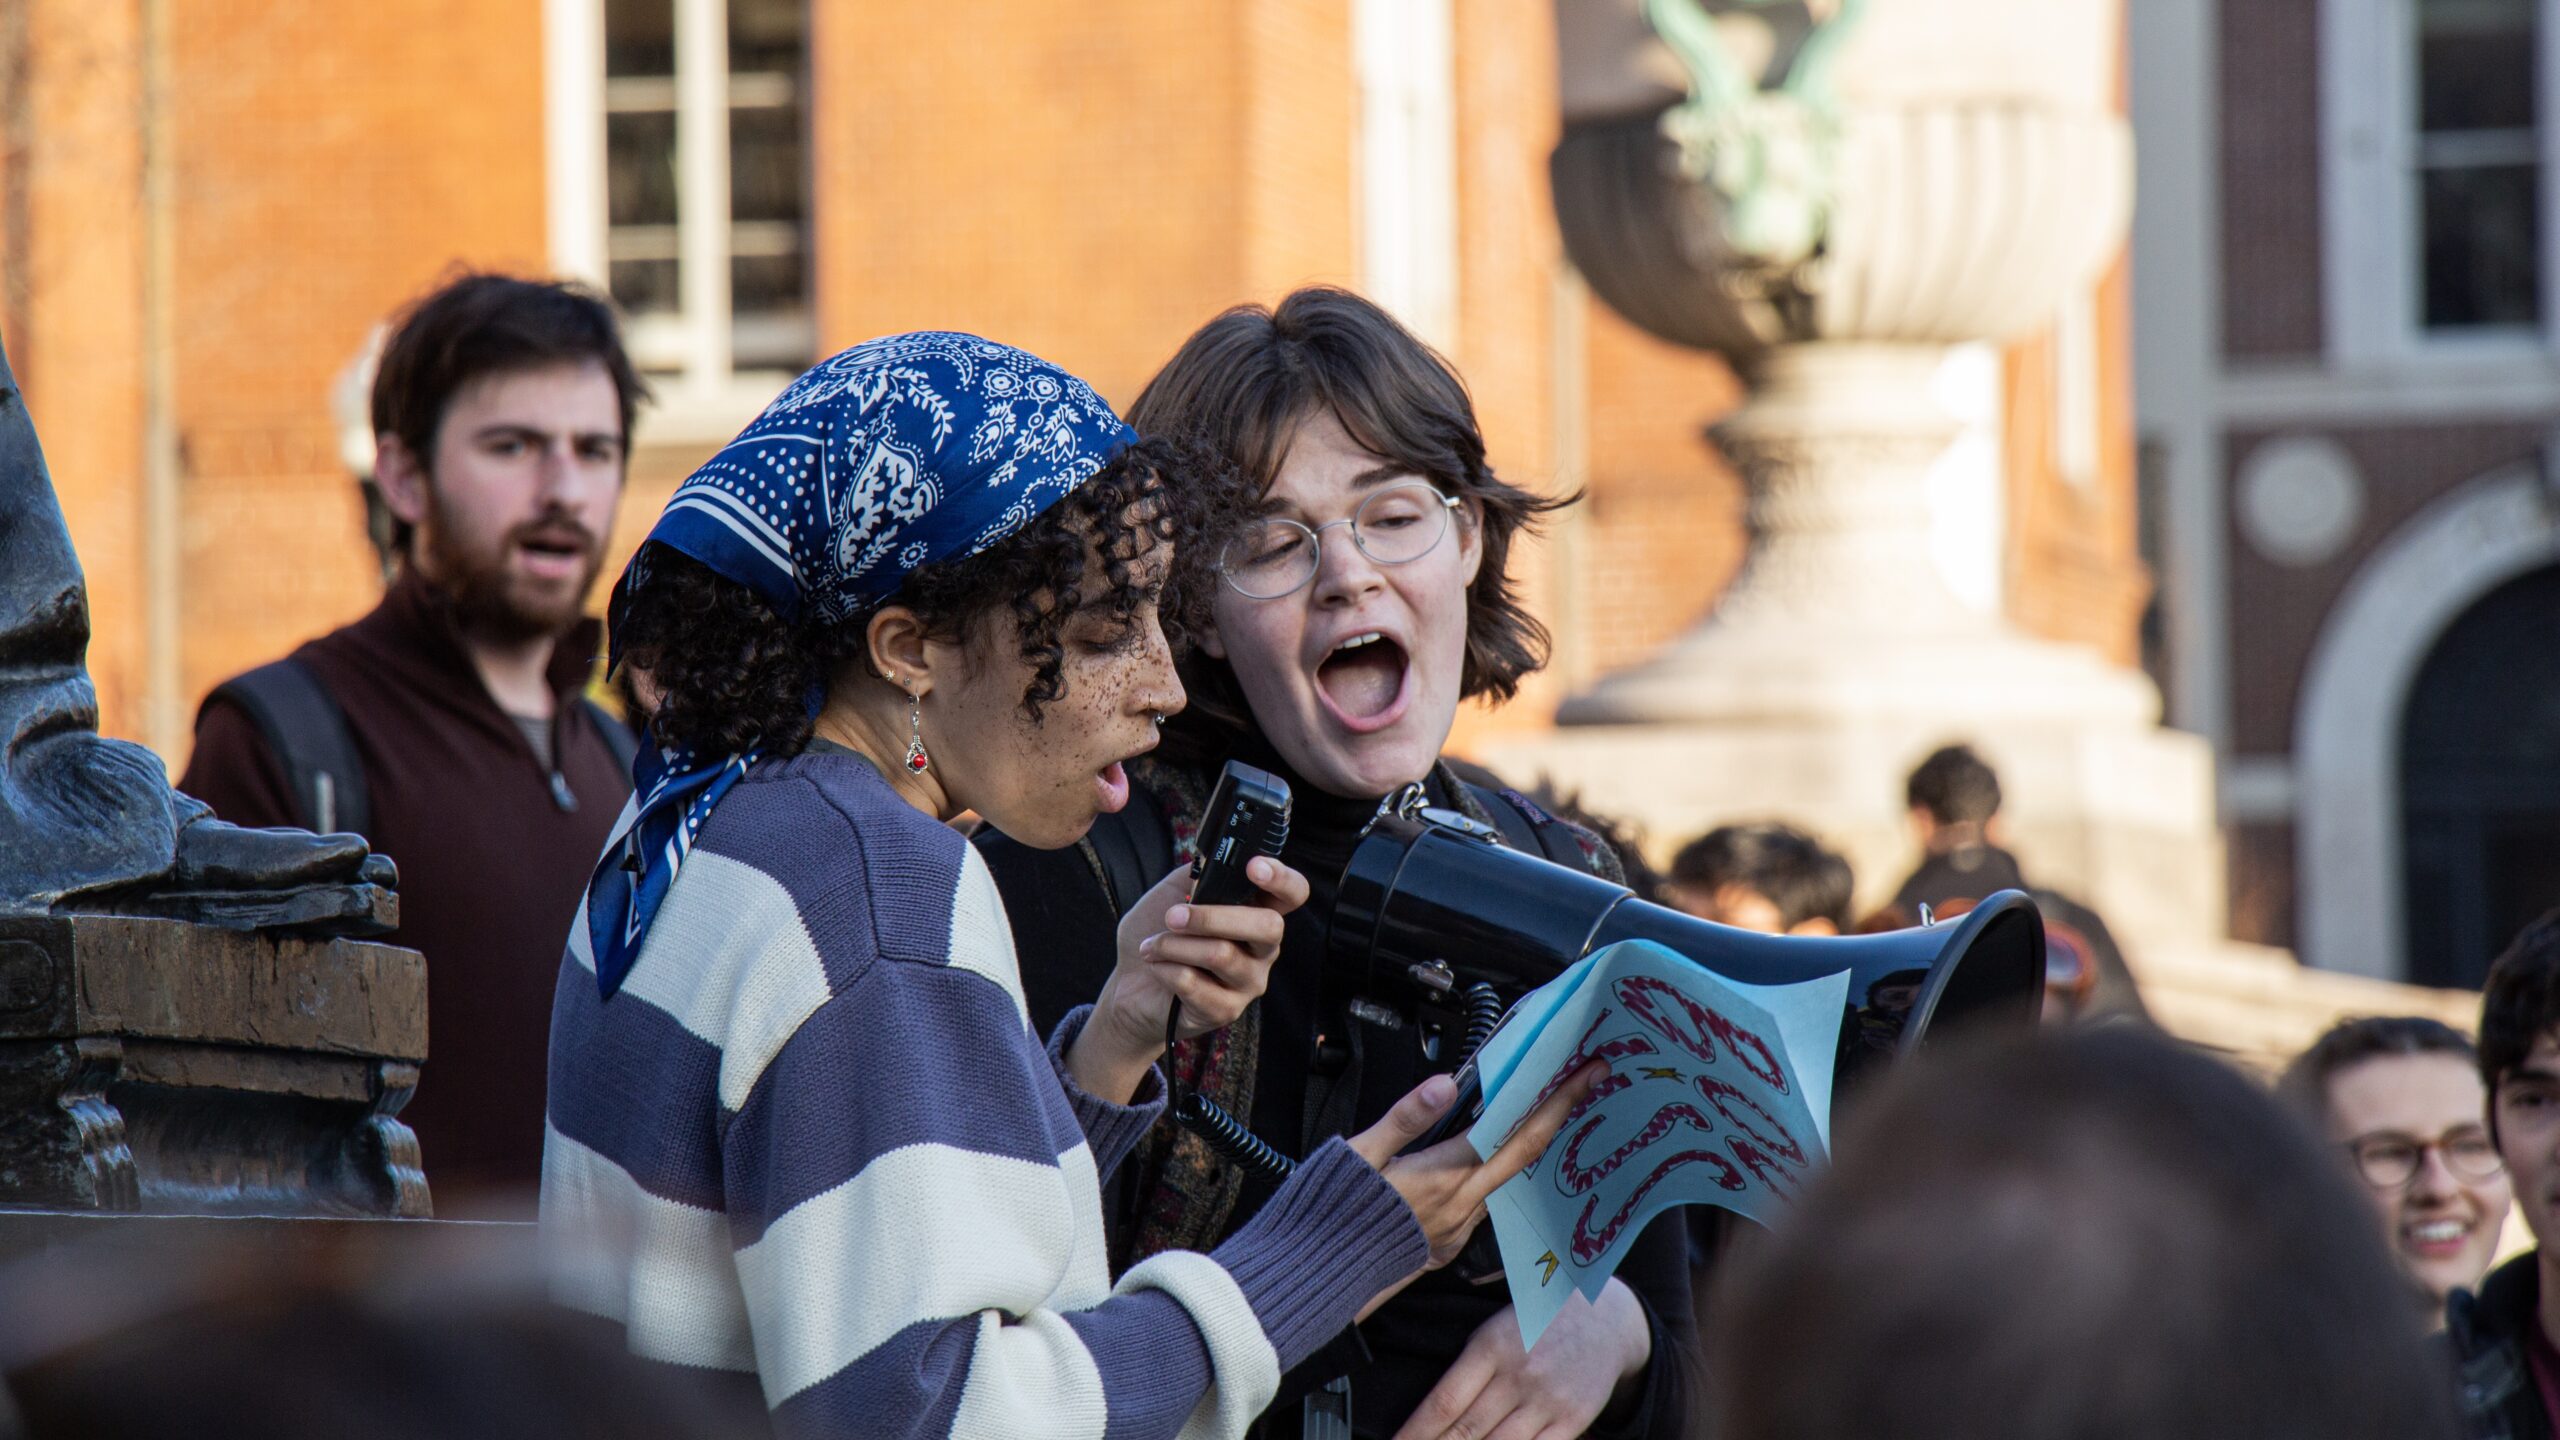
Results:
2488 1333
1064 930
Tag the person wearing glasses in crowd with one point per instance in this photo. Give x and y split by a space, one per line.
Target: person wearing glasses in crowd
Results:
2401 1095
1369 597
2503 1336
800 1125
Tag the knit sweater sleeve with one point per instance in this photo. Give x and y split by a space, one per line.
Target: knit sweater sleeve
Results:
1112 1130
919 1243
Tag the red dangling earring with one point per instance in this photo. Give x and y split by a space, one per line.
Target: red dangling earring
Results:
918 762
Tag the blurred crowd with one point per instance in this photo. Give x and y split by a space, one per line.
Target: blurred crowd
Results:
2088 1231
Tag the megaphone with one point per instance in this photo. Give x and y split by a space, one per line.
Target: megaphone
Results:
1432 907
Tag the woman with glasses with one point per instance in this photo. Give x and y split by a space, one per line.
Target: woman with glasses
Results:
1369 596
2401 1097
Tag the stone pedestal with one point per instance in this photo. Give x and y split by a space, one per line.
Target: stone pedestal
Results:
1839 658
156 1066
1831 198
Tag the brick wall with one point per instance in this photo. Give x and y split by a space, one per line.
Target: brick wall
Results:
1069 179
76 344
2280 608
331 161
2075 570
1093 183
1666 519
2269 110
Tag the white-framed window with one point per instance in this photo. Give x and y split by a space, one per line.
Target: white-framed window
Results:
1407 163
2441 236
679 137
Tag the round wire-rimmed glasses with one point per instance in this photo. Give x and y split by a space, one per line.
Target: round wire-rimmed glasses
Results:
1395 526
2390 1160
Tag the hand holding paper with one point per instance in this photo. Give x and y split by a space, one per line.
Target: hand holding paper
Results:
1719 1093
1447 1184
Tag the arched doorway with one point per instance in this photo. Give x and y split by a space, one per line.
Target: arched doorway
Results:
2480 781
2349 868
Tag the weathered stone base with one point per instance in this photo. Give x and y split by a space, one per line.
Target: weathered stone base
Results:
161 1067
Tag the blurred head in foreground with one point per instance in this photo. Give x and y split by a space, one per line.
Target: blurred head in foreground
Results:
2081 1235
2400 1095
217 1345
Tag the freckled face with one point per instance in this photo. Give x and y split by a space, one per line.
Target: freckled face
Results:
1043 782
2443 1226
1354 678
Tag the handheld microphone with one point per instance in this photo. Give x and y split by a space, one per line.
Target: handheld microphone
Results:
1248 815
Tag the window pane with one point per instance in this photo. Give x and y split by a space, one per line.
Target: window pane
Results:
645 287
760 283
767 172
769 319
2475 64
639 37
767 36
640 167
2483 246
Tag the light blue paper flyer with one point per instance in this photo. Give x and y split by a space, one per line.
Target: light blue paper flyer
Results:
1719 1093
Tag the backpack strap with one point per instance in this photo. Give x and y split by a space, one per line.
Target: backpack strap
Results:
307 732
1526 826
1518 831
618 736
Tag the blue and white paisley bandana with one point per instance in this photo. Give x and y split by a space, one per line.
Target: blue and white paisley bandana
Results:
893 455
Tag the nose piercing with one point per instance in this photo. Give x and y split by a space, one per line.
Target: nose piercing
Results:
1159 719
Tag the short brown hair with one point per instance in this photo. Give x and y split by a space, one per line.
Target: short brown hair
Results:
1246 381
2351 1042
482 324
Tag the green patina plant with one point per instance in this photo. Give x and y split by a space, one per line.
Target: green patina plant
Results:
1769 150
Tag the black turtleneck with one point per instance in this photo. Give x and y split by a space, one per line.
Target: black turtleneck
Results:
1304 1006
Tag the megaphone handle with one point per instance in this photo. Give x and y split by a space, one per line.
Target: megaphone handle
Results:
1462 1112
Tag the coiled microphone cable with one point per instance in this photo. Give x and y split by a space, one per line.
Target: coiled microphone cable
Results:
1232 1141
1221 1132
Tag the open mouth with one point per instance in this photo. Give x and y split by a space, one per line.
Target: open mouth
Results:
1363 679
2436 1237
555 552
1113 781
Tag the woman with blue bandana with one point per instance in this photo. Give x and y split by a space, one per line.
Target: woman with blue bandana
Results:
799 1123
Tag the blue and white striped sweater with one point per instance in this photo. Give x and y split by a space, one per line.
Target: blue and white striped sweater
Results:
814 1137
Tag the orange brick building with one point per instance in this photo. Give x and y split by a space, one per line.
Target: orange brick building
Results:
205 205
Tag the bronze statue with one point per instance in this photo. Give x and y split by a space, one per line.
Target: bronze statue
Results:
89 823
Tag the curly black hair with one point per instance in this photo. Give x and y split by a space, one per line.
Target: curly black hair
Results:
724 673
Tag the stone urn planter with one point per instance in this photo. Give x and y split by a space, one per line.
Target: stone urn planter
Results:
1836 195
